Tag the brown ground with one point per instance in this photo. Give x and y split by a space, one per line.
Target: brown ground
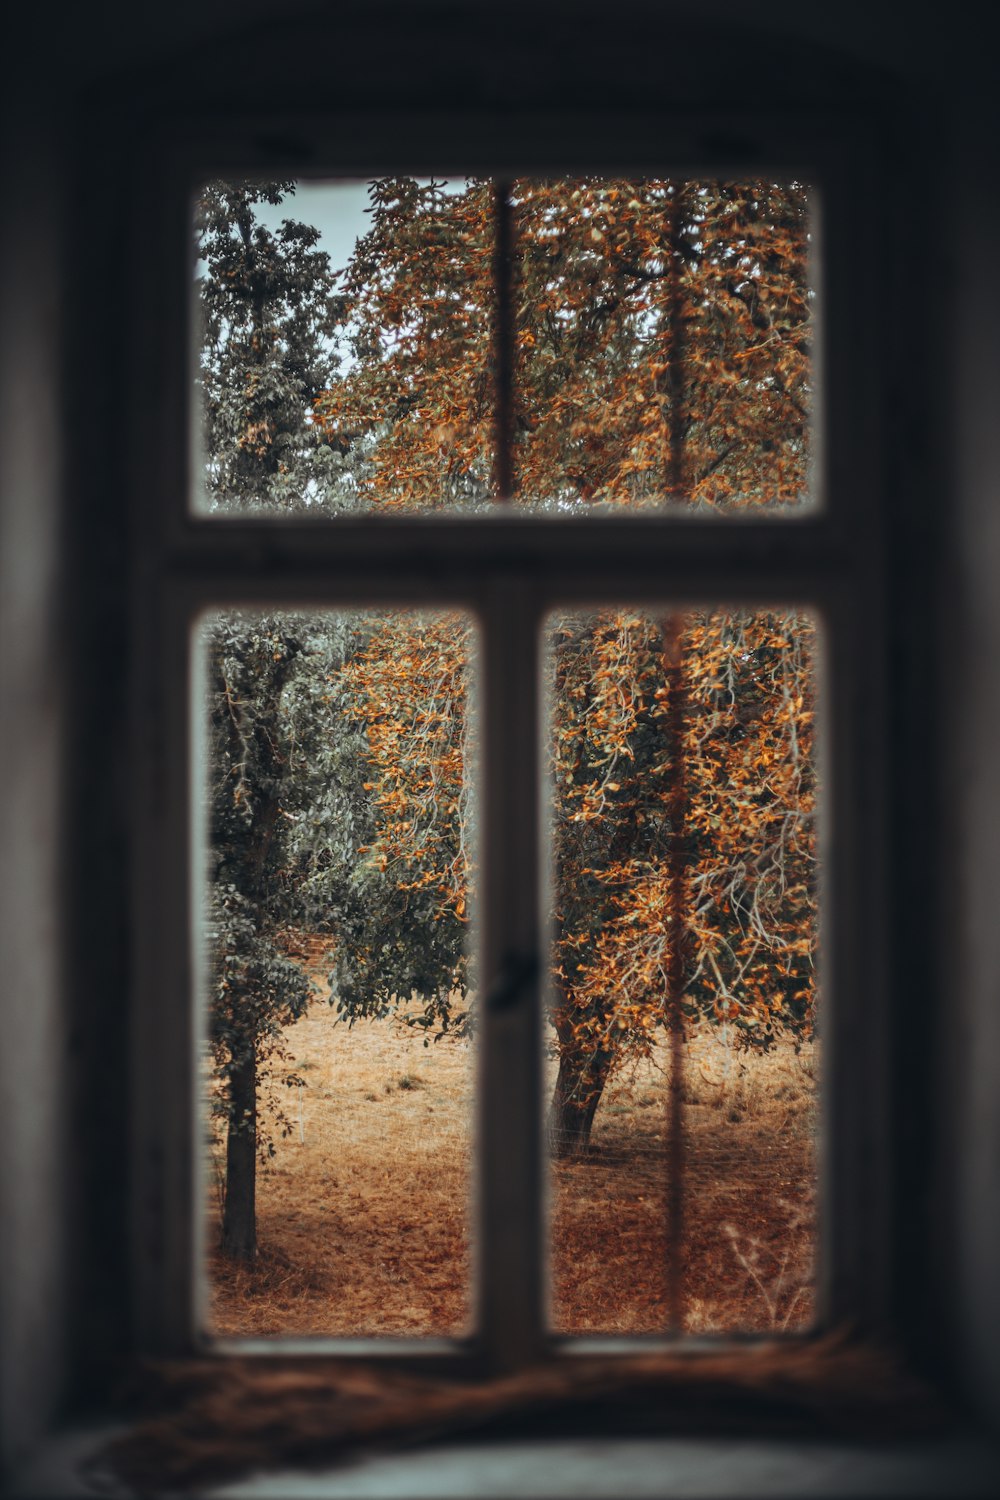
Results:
363 1212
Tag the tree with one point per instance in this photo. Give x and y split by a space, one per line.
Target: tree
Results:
662 350
268 310
407 691
747 843
594 395
268 313
255 988
419 396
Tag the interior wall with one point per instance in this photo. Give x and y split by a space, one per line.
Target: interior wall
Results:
33 1052
39 1059
971 978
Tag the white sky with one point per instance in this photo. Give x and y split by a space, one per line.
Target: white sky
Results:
336 209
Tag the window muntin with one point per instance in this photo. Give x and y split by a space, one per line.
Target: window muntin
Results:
565 345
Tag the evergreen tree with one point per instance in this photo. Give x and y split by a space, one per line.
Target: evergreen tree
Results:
268 312
268 309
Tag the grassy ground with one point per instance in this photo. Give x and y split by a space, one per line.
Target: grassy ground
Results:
364 1212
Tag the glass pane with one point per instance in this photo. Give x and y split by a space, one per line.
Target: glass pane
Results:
664 344
683 1048
344 346
337 971
662 354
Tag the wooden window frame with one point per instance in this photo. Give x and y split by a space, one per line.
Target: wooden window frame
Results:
510 571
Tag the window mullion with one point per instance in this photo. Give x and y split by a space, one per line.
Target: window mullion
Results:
510 1277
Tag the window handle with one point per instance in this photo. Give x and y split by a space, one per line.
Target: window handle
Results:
517 972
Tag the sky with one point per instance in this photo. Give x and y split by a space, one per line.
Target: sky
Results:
336 209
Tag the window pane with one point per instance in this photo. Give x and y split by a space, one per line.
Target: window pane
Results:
664 334
348 346
337 964
344 346
683 1045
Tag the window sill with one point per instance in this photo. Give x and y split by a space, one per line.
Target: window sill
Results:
593 1468
824 1416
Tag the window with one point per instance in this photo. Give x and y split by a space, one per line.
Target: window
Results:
96 505
521 572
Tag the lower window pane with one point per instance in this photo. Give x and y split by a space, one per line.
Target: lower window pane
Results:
682 1040
339 830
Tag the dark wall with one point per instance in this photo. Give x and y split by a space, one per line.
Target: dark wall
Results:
79 93
968 994
33 1051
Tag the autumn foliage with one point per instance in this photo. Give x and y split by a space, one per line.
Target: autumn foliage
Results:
746 846
600 270
661 355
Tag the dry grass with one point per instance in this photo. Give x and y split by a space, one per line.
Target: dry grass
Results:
749 1198
364 1211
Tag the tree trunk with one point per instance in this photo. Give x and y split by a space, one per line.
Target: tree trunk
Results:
239 1217
579 1086
239 1214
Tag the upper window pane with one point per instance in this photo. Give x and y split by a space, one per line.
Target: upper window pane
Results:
638 345
663 345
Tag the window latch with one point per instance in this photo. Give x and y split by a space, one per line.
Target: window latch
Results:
517 972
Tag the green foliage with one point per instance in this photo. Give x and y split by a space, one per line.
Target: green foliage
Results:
268 309
255 988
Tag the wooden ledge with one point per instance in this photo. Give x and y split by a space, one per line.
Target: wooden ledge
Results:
202 1422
